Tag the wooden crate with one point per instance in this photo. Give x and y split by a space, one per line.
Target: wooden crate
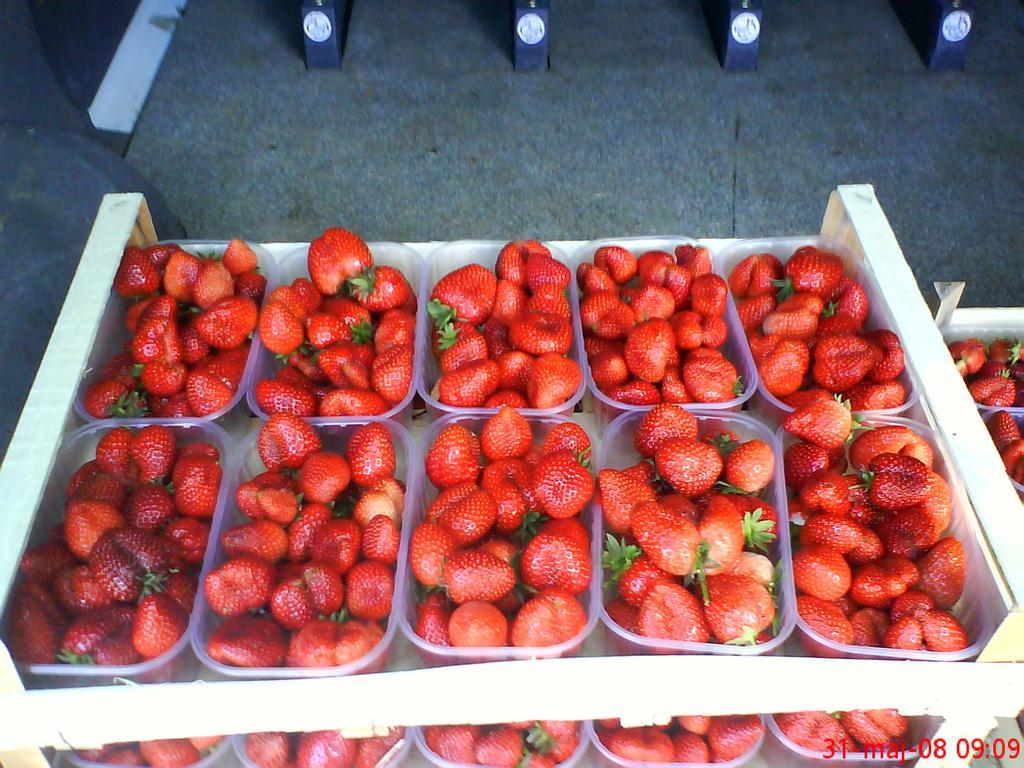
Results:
968 695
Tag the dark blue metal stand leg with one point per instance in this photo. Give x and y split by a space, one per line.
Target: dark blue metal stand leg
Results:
939 29
324 29
735 27
531 30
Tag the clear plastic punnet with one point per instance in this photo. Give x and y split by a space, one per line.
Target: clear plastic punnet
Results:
764 403
437 655
447 258
248 464
113 334
975 609
178 663
735 347
293 265
617 452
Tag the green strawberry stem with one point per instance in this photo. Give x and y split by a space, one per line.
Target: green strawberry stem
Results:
69 657
867 477
361 286
725 487
699 571
785 287
757 531
152 582
724 444
129 405
524 761
540 739
362 333
528 527
441 313
830 309
339 617
794 532
738 386
748 637
447 336
617 558
137 370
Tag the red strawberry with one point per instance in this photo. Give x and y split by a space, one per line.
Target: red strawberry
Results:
370 586
472 576
542 269
196 486
261 539
213 283
617 261
110 398
338 543
729 738
454 457
689 748
636 393
280 328
754 275
555 561
825 619
897 481
477 624
285 441
158 625
466 294
553 380
750 466
943 633
470 517
538 333
814 270
842 361
650 349
248 641
738 608
324 643
782 364
35 625
943 570
669 612
646 745
689 466
136 274
869 627
891 363
86 521
708 295
334 257
381 540
274 396
315 591
550 618
826 423
470 385
619 493
709 377
821 571
561 485
78 591
506 435
240 585
817 731
391 373
668 540
352 402
148 507
661 424
188 537
85 634
380 288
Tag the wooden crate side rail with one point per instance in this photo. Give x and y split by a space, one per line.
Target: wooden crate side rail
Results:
121 219
855 219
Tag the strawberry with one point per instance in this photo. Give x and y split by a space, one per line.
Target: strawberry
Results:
227 323
661 424
537 333
506 435
391 373
825 619
821 571
158 625
240 585
86 521
876 584
268 750
470 385
802 461
709 377
828 491
553 380
466 294
782 364
644 745
737 609
669 612
793 320
124 560
561 485
454 457
213 283
338 543
352 402
842 361
188 538
619 493
380 288
869 626
136 274
891 363
85 634
285 441
838 532
876 397
826 423
323 476
324 643
571 437
477 624
247 641
816 731
942 571
541 269
276 396
555 561
635 573
196 486
636 393
653 301
897 481
262 539
617 262
108 397
334 257
381 540
35 625
669 541
750 466
942 632
552 617
470 517
729 738
316 590
279 327
471 576
708 295
649 349
113 455
907 533
689 748
324 749
896 439
696 724
814 270
689 466
755 275
911 603
77 590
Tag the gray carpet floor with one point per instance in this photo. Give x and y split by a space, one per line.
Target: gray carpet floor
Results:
427 133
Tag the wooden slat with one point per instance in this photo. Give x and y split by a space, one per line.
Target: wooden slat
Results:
32 449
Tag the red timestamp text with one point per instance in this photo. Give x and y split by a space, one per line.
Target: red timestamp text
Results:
964 749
